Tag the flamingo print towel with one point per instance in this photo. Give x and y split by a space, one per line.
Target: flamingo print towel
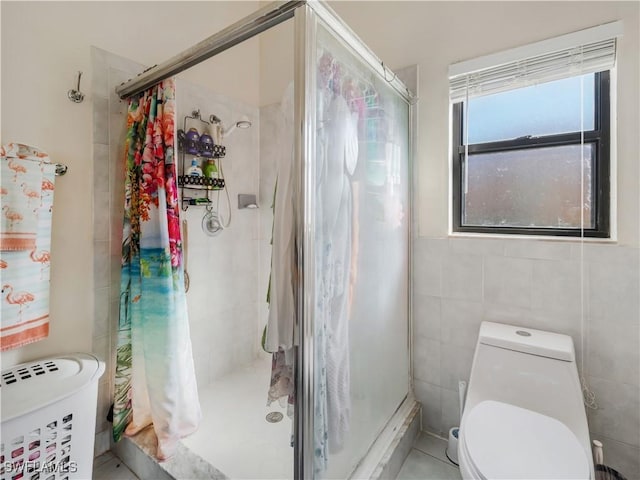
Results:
27 184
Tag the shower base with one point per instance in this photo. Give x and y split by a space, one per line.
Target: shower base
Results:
235 435
234 439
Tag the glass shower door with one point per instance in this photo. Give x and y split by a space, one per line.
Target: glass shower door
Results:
356 230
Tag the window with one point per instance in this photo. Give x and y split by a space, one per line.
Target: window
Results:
520 155
531 139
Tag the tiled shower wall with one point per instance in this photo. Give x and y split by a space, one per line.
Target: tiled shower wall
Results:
225 293
459 282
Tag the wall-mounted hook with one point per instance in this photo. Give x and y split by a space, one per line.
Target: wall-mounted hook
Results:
61 169
76 95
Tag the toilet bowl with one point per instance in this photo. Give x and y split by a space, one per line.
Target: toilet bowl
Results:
524 416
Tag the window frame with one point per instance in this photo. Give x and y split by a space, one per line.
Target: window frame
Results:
600 136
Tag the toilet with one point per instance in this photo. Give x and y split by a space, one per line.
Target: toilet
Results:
524 416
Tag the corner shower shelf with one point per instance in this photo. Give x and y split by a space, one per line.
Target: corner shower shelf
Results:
218 151
200 183
196 183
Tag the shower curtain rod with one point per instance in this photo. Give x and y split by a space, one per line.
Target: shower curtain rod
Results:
259 21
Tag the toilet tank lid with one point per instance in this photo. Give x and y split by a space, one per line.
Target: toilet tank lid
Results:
527 340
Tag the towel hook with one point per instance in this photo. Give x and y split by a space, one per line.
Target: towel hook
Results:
76 95
61 169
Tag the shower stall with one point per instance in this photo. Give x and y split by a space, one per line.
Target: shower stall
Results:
351 187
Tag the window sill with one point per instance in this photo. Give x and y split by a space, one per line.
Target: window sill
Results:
540 238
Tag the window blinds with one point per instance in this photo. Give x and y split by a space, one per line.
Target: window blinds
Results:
586 51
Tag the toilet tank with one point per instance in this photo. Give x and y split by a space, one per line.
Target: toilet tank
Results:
529 368
527 340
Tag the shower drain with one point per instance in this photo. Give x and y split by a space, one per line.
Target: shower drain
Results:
274 417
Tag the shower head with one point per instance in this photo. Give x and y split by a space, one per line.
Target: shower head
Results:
243 123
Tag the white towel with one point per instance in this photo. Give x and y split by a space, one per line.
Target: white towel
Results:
281 326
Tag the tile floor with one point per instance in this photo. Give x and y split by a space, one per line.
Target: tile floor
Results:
109 467
427 461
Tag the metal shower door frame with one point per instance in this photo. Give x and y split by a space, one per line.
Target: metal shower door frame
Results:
304 119
306 20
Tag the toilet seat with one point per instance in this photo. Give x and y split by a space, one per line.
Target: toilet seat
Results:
503 441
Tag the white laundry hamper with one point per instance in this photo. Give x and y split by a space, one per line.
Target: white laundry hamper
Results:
49 417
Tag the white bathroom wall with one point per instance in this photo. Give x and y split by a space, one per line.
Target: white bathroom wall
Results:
459 282
225 294
44 44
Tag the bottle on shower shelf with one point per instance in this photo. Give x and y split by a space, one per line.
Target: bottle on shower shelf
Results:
194 170
210 170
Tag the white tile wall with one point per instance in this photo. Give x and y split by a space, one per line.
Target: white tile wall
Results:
539 249
459 322
455 364
473 246
618 410
429 309
428 281
508 281
613 349
462 276
459 282
429 395
450 410
556 285
227 291
427 362
613 291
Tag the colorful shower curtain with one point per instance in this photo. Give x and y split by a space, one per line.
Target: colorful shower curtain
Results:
155 377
